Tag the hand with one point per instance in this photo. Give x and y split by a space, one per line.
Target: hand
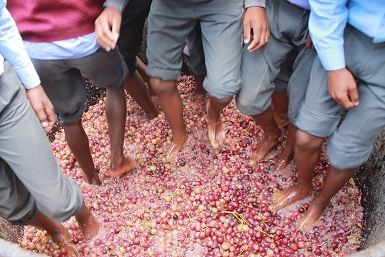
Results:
309 42
43 107
256 26
107 28
342 88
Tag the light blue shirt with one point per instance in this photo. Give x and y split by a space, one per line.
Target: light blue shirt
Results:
12 49
327 22
64 49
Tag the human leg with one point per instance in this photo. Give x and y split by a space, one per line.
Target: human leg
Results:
287 153
307 153
171 104
32 183
352 142
110 74
222 43
116 118
318 117
335 179
280 98
167 31
214 108
67 92
272 133
136 87
193 52
296 90
57 231
129 43
77 141
269 68
279 103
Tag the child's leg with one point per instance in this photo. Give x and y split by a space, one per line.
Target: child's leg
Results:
77 141
200 92
116 117
56 230
87 223
335 179
136 87
280 101
141 68
171 103
307 152
272 133
287 153
214 108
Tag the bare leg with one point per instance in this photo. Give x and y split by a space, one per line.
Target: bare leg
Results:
335 179
77 141
272 133
116 117
171 104
287 153
141 68
200 92
137 89
57 231
307 153
214 108
87 223
142 71
280 104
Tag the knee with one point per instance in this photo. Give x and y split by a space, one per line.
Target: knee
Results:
162 86
306 142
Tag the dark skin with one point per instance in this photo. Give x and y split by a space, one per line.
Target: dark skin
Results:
87 224
287 154
116 117
171 103
280 103
256 27
307 153
272 133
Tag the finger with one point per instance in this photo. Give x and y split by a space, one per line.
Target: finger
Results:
103 33
246 32
345 102
353 95
253 45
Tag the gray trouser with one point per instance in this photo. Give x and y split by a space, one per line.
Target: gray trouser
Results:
351 143
30 176
288 26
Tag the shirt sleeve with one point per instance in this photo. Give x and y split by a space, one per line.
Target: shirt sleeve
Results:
119 4
13 51
251 3
327 23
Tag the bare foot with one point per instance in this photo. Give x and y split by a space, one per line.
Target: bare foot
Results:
215 133
288 196
280 165
313 213
176 146
92 180
63 239
127 164
89 229
264 146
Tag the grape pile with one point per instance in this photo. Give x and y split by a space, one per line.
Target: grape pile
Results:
202 203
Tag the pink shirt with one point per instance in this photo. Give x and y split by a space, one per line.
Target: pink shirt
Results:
48 20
